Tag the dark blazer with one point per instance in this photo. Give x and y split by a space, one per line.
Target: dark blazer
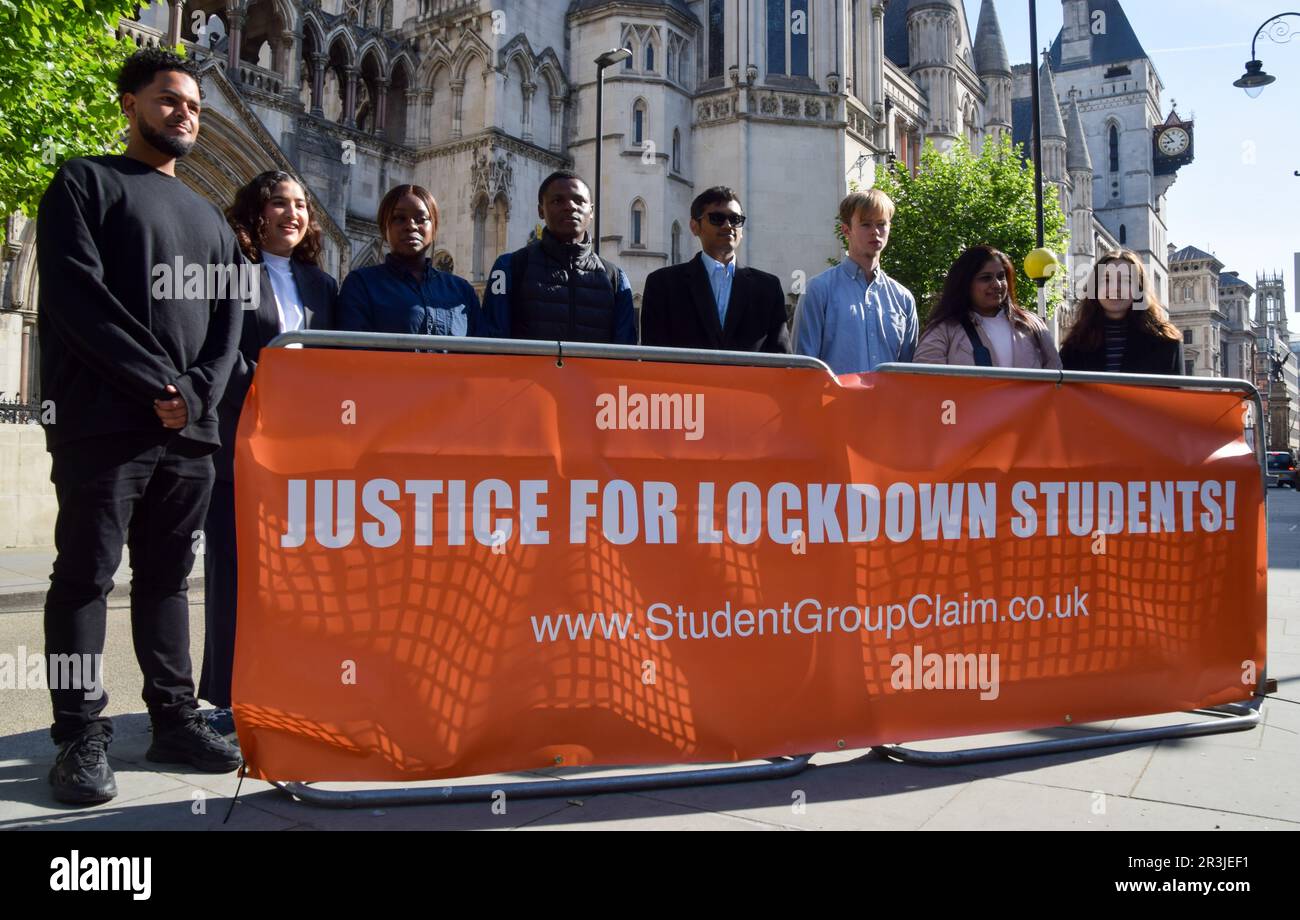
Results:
1144 353
320 293
678 310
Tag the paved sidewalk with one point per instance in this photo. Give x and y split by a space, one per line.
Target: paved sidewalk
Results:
25 577
1240 781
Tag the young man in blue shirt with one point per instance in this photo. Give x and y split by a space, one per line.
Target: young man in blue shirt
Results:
854 316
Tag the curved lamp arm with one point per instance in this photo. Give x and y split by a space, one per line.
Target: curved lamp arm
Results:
1281 31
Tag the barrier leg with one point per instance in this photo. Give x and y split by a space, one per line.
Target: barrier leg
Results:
1231 717
776 768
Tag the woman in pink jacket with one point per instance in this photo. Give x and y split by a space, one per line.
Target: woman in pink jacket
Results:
977 321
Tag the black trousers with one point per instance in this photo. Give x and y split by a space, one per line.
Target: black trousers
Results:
149 491
221 592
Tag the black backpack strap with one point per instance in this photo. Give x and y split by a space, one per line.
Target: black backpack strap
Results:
982 356
612 271
518 265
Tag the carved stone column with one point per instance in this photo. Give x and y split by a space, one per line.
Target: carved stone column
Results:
236 35
412 117
557 119
529 89
282 56
317 83
457 100
350 101
175 21
381 114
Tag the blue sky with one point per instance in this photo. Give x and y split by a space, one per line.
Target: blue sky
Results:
1240 198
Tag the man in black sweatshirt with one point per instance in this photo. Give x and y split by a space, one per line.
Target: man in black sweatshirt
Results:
139 320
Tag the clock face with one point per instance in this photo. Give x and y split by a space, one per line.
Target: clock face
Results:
1174 141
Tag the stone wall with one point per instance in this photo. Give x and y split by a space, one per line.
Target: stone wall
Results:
27 505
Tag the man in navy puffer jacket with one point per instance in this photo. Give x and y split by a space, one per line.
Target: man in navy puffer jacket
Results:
557 288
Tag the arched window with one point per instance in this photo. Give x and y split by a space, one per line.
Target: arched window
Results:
672 60
1123 234
1114 149
717 24
787 37
630 62
677 150
677 244
638 123
649 57
638 223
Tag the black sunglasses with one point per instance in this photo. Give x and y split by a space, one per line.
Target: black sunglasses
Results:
718 218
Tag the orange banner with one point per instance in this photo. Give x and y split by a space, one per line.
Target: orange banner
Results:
453 565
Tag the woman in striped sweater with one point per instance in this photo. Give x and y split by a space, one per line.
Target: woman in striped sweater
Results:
1120 324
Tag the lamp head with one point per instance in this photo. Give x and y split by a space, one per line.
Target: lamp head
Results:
1254 79
612 56
1040 264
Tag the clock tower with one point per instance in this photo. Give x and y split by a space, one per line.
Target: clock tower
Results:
1135 149
1172 146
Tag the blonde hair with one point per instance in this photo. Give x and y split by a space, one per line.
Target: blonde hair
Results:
872 201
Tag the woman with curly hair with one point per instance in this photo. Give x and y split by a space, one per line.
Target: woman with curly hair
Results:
978 322
1120 325
275 224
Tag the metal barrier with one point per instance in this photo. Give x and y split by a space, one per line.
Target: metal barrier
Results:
1228 718
1232 717
775 768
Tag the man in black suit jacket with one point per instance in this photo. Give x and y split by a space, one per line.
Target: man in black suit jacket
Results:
708 302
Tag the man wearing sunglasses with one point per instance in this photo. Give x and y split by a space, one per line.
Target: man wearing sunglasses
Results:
709 302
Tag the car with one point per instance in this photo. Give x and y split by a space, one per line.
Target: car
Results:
1281 468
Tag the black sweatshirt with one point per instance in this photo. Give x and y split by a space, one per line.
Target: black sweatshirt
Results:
106 228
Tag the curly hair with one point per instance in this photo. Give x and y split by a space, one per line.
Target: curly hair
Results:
245 217
140 68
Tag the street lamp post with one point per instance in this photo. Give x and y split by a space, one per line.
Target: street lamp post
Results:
1040 264
1038 119
608 59
1255 79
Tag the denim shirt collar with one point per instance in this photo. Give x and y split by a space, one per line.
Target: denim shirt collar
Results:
397 267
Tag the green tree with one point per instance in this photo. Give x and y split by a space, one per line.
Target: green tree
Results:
957 200
58 64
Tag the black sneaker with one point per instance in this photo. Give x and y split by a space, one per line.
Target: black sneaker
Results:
81 774
193 742
222 721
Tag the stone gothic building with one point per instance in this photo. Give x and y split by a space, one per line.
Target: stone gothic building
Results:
786 101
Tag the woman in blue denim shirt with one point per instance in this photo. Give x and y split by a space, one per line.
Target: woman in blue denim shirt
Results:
406 293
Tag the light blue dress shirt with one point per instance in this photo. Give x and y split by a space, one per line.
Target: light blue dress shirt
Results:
853 325
720 278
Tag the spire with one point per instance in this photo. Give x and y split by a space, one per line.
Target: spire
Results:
990 49
1048 106
1076 144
